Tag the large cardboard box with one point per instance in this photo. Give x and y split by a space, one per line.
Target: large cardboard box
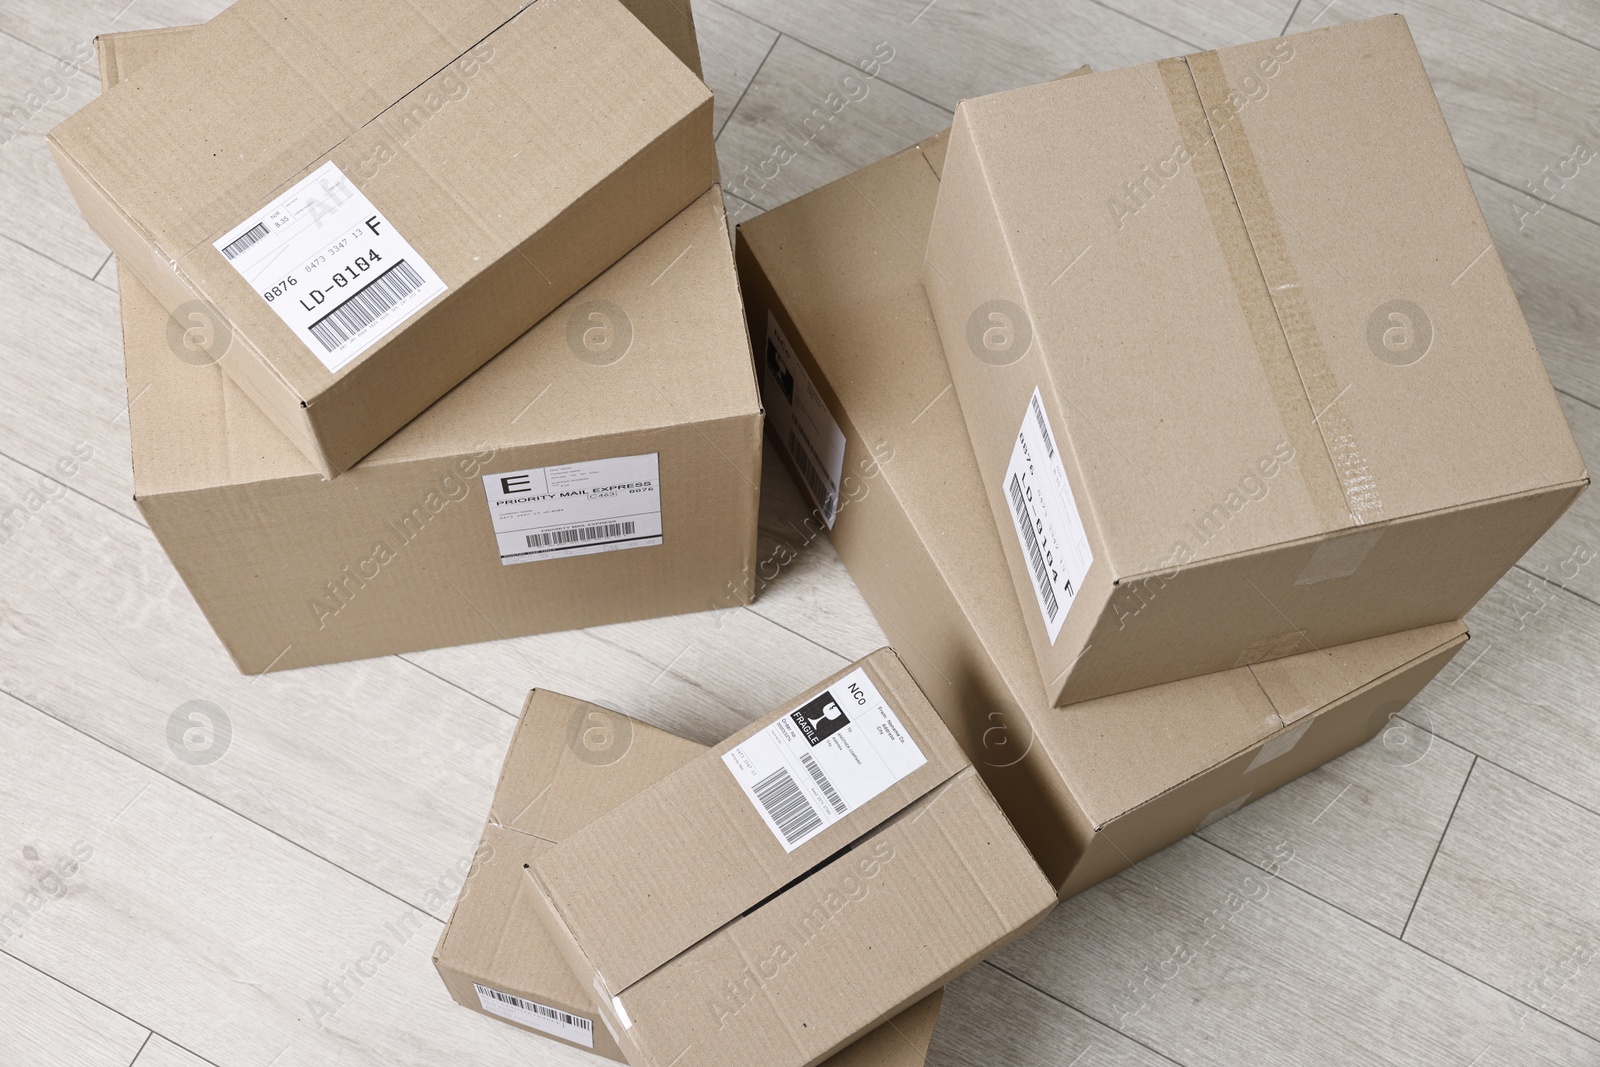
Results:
817 873
1243 372
404 552
832 285
376 199
569 763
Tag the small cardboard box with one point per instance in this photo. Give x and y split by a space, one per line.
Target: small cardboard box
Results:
403 553
375 200
812 876
832 287
569 763
1243 372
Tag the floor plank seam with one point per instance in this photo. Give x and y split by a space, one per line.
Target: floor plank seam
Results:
1422 886
1079 1011
747 85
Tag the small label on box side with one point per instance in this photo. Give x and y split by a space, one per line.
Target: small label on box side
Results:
531 1013
331 266
576 509
824 759
800 420
1045 514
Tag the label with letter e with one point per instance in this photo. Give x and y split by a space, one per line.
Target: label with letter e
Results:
331 266
576 509
1045 514
824 759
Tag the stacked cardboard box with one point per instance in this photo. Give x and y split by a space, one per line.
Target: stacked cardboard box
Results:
1156 421
643 379
569 763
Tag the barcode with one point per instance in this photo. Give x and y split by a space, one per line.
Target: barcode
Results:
786 806
1030 541
354 315
535 1007
244 241
808 470
1044 427
822 780
579 534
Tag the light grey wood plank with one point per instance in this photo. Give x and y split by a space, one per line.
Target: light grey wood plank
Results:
1363 828
1214 25
801 583
377 766
108 274
1553 258
701 676
1514 842
1569 555
1524 693
61 350
221 935
1209 961
732 47
1517 96
991 1018
1579 20
949 50
159 1052
809 119
37 91
59 27
45 1021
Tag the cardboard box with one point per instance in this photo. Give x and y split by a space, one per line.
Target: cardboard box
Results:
374 201
569 763
810 877
401 554
1231 333
832 286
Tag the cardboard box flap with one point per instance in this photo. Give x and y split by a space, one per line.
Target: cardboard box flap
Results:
539 389
948 867
1249 188
571 762
684 858
1119 752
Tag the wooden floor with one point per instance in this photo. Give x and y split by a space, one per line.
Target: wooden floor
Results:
1442 912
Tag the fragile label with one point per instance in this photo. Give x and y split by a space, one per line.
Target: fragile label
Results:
540 1017
576 509
824 759
1045 514
801 421
331 266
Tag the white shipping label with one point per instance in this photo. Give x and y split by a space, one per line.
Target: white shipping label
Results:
331 266
824 759
576 509
798 417
531 1013
1045 513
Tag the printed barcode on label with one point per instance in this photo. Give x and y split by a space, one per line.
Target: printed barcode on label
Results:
808 470
1041 574
385 291
786 805
245 240
822 782
535 1007
1044 427
580 534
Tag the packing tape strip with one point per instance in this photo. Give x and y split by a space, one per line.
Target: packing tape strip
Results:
1291 351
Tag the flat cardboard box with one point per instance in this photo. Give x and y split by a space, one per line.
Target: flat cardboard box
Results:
375 201
1286 397
834 278
401 553
812 876
569 763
